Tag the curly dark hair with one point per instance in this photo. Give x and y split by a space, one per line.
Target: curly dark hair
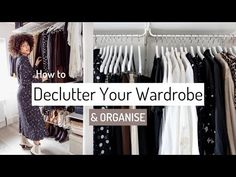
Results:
16 40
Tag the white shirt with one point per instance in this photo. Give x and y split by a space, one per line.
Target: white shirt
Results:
165 69
170 125
188 124
75 41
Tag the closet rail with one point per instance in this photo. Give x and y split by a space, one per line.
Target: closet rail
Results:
148 33
193 36
33 26
123 35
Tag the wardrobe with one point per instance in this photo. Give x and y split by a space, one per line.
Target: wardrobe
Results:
155 40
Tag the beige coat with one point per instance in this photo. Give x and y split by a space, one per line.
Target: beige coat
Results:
229 104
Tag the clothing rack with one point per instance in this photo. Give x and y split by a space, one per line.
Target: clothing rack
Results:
148 33
34 26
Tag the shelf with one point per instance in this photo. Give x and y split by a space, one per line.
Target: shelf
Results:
75 116
50 122
66 126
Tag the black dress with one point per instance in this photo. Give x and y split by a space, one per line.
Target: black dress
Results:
31 123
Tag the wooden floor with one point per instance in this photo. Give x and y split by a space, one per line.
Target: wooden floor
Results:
10 138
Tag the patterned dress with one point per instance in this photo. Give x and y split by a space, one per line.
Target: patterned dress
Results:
31 123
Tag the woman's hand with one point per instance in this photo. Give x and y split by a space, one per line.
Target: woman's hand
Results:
38 60
44 78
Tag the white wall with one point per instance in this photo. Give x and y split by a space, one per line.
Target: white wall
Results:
9 87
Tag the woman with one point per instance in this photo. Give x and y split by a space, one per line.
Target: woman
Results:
31 123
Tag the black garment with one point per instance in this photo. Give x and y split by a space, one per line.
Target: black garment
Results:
49 53
146 134
194 66
67 54
97 61
19 24
221 138
206 114
12 62
149 135
44 51
115 131
39 53
157 111
101 134
157 71
126 136
59 56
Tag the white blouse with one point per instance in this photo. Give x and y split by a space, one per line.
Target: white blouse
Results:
75 41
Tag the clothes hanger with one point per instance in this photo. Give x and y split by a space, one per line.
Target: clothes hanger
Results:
192 51
104 52
214 51
211 52
185 50
157 52
105 60
113 60
181 50
108 60
219 49
100 51
130 58
203 49
225 49
177 54
234 49
139 61
167 50
176 51
199 52
118 60
50 28
59 25
230 50
172 50
125 59
167 53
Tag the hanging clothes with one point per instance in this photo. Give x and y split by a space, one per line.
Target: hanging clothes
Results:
33 52
115 131
194 66
101 134
189 129
179 133
231 60
229 102
206 118
147 135
221 139
126 138
134 128
12 63
75 41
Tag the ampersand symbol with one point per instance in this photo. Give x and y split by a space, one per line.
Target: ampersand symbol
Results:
94 117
